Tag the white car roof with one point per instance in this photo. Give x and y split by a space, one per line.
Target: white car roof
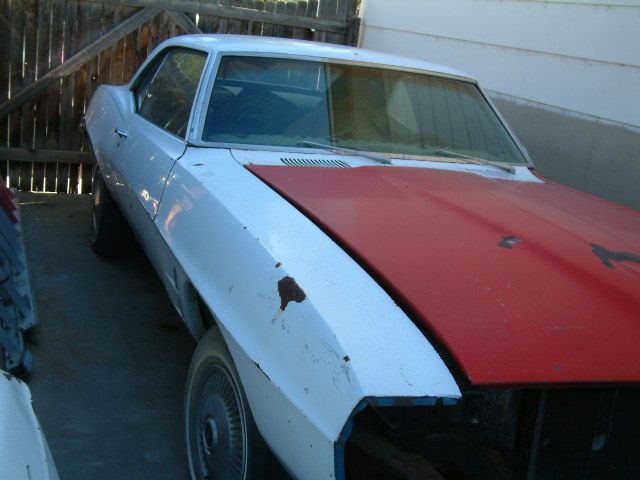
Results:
247 43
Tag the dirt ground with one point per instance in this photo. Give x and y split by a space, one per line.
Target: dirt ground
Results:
110 354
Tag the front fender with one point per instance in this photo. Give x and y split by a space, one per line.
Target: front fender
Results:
311 332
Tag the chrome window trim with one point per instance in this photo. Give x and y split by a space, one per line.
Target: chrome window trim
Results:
196 129
148 64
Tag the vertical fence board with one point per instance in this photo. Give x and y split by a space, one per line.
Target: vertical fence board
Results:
53 93
42 67
5 56
278 30
268 28
15 84
235 26
301 11
38 35
290 8
256 26
223 25
28 76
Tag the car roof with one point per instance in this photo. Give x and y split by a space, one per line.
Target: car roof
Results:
282 46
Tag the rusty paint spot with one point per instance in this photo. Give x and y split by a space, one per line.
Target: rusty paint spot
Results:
278 264
346 358
289 291
509 241
260 368
607 255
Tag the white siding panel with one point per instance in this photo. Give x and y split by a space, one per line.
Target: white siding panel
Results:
578 56
595 88
605 33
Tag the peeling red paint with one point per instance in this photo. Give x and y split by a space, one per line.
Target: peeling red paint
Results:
507 316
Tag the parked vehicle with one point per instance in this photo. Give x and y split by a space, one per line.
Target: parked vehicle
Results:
381 283
25 453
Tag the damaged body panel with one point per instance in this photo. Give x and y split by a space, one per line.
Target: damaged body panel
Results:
25 453
428 309
511 315
334 341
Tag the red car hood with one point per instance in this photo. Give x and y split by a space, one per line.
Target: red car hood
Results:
522 282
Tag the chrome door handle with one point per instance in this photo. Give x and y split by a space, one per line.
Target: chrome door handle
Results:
121 133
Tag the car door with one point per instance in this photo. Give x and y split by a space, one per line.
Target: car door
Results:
152 133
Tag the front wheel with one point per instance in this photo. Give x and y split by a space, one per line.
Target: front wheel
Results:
223 441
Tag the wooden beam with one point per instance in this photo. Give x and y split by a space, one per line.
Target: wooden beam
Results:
76 61
55 156
184 22
239 13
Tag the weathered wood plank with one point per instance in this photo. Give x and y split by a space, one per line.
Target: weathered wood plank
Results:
256 25
223 25
227 11
5 47
235 25
290 8
15 83
53 91
84 36
54 156
141 45
353 30
28 76
67 88
77 60
5 55
302 11
268 28
70 36
29 67
42 66
104 58
93 66
115 50
328 9
184 22
245 25
164 33
129 56
340 12
278 30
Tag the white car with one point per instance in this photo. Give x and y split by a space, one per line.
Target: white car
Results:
24 452
381 284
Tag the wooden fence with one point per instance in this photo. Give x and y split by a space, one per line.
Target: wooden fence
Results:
54 53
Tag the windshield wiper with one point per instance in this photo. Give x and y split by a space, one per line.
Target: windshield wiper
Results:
349 151
506 168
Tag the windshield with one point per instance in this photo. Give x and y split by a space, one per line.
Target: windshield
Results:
282 102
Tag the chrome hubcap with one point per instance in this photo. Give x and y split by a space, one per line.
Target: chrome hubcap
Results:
210 436
218 429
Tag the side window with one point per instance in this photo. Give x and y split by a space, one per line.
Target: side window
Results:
165 94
